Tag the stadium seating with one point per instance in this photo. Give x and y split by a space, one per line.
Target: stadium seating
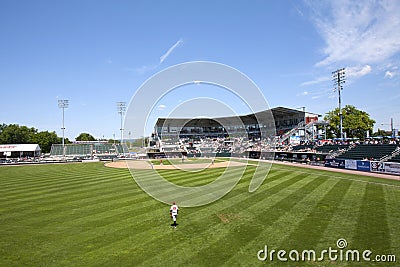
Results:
92 149
56 150
302 147
325 149
100 148
368 151
395 159
331 148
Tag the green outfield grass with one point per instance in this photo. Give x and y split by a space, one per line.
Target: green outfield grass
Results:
91 215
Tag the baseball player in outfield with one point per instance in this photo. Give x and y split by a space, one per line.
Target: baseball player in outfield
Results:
173 212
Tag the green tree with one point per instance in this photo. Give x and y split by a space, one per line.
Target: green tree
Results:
15 134
355 122
85 137
140 142
2 127
382 133
45 139
112 141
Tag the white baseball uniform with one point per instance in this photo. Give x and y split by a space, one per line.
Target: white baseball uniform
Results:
174 211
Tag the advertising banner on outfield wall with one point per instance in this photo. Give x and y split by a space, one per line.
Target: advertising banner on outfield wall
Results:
387 167
391 167
335 163
363 165
350 164
377 166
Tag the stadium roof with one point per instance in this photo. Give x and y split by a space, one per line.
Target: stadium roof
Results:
282 111
246 119
19 148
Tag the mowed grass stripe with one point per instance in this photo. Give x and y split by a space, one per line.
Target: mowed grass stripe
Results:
202 212
273 234
73 230
343 223
176 193
129 227
138 228
39 193
29 174
392 196
31 193
198 179
268 198
74 200
183 178
142 212
372 226
254 199
34 178
82 214
62 195
49 181
315 223
248 231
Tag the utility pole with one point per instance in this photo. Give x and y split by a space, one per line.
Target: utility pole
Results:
63 104
391 127
338 79
130 140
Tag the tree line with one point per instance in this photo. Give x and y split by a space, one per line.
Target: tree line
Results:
16 134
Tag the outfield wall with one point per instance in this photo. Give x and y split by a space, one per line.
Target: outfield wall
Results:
364 165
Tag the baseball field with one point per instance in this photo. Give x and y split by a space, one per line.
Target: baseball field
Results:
87 214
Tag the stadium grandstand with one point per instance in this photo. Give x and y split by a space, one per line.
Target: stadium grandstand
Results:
286 121
237 136
300 137
89 150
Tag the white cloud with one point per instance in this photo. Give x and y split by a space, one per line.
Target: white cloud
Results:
304 93
316 81
145 68
392 72
161 107
357 72
389 74
172 48
361 32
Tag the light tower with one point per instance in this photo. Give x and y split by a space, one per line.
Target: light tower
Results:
121 107
63 104
130 140
338 79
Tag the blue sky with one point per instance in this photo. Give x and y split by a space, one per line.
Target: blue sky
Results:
96 53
